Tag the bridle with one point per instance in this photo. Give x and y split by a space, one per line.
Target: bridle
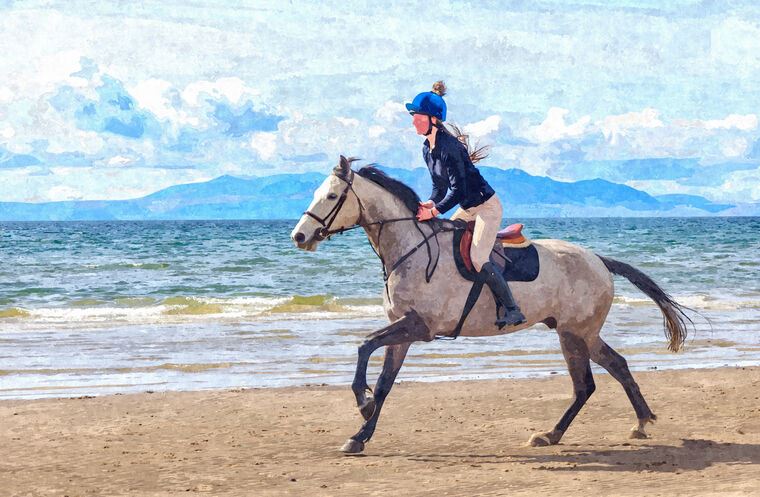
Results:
329 218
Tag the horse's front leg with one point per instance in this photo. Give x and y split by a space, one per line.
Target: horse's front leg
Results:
394 358
397 336
409 328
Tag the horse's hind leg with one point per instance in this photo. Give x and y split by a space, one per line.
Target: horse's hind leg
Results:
616 365
394 358
577 357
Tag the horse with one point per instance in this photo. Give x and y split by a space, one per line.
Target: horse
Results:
572 294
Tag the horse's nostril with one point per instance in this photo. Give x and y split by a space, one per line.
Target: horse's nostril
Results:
300 237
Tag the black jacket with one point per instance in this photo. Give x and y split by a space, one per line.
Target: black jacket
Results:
452 171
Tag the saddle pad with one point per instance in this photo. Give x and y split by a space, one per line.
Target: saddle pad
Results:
524 265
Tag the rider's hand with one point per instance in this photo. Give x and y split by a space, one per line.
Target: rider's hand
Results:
424 214
428 204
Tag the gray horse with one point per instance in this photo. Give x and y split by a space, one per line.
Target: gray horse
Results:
572 294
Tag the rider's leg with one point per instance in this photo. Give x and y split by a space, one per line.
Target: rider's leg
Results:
487 223
462 215
495 280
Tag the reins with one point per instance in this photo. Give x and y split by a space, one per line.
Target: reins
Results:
436 227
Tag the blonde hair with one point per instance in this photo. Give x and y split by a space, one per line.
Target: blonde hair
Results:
477 153
439 88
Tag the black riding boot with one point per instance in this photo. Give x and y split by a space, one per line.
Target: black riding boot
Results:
495 280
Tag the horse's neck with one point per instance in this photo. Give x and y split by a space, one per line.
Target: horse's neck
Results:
390 240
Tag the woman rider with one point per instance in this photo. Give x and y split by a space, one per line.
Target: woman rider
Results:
456 180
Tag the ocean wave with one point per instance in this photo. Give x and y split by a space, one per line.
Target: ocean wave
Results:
116 266
149 310
87 302
169 366
14 312
303 304
135 301
698 302
189 306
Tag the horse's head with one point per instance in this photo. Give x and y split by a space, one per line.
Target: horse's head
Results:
335 206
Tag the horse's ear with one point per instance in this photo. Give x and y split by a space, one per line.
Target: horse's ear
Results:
343 169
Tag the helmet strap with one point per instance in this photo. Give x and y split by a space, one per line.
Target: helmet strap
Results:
430 126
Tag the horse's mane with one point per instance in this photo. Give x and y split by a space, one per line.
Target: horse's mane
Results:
403 192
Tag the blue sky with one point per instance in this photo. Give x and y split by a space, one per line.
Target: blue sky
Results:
109 100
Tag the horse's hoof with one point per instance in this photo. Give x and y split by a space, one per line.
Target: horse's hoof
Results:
638 434
352 447
539 440
368 408
545 439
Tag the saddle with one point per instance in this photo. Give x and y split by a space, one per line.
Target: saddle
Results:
512 250
509 237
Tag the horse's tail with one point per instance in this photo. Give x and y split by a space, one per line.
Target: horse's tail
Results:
673 316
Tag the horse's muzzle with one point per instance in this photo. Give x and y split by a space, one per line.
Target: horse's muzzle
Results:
304 243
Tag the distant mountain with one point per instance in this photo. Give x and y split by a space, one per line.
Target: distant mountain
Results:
692 201
286 196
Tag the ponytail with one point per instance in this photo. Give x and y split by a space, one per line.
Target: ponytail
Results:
476 153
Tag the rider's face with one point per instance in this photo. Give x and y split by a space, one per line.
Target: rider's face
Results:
421 124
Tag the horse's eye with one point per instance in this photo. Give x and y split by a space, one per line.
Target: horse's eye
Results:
332 196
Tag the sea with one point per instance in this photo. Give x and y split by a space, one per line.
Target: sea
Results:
94 308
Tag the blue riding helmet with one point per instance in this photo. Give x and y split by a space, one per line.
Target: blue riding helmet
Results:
428 103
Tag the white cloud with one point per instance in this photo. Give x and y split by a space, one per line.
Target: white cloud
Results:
533 160
56 67
616 125
482 128
737 42
645 134
63 192
119 160
742 186
348 121
265 144
231 88
375 131
334 136
391 113
6 94
149 94
745 123
7 131
738 187
554 128
71 183
734 147
154 95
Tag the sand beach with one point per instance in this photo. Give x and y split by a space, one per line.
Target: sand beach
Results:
460 438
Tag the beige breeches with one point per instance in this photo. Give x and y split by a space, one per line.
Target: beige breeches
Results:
487 217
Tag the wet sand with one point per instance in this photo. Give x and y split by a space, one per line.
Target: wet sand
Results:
458 438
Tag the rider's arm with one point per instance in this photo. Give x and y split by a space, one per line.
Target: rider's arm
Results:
439 184
454 167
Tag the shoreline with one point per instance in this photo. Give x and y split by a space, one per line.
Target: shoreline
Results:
552 367
438 438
